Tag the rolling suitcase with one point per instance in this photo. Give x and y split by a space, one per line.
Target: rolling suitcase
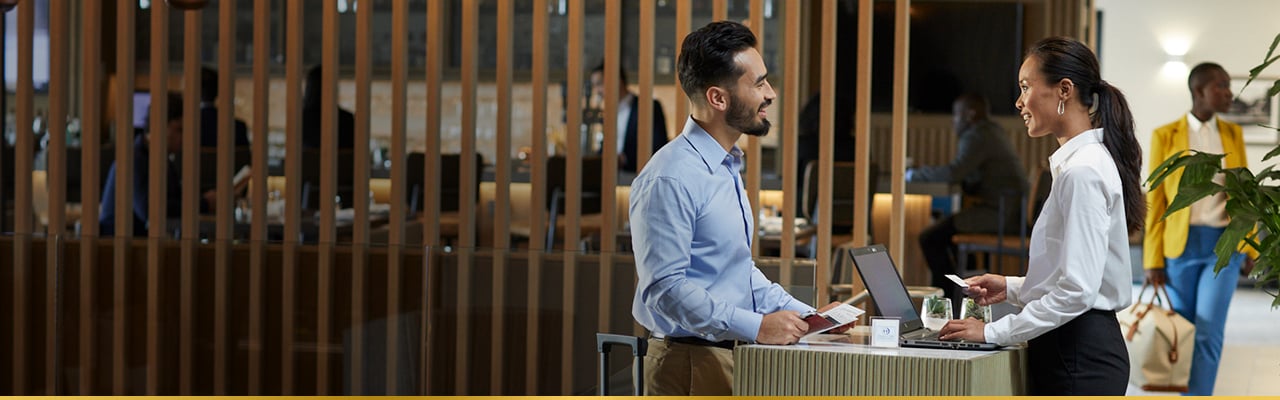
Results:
639 346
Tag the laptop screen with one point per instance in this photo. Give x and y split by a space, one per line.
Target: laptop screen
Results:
885 285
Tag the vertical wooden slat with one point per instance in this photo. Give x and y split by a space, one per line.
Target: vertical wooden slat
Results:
467 179
293 187
719 10
609 157
360 181
90 138
862 125
191 197
222 202
328 185
827 140
56 178
22 223
258 186
399 83
502 208
754 167
124 187
644 101
157 204
790 116
901 44
431 206
683 18
573 189
537 179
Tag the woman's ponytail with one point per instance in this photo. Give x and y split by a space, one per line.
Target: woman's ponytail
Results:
1113 116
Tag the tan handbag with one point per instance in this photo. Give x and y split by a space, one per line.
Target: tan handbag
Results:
1160 342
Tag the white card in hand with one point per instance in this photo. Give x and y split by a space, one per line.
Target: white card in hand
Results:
958 281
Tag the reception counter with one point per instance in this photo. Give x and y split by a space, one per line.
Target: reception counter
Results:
854 369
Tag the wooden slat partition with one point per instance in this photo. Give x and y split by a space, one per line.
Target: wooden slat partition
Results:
609 157
573 188
753 151
191 196
158 165
90 138
223 228
901 41
360 178
502 181
644 98
467 179
399 84
719 10
683 18
862 124
826 157
258 186
124 187
22 194
328 185
56 182
293 188
538 178
791 124
431 208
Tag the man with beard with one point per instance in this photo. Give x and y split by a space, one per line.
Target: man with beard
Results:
698 291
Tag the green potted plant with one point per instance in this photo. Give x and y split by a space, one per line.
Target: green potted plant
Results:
1253 201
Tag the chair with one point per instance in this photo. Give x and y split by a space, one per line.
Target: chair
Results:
311 177
843 198
1000 244
450 181
592 168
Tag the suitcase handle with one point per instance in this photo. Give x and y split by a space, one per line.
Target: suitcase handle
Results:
639 346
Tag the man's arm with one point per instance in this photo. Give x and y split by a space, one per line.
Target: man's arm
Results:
970 152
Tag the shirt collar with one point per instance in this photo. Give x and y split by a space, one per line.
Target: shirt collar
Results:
1060 157
708 148
1193 124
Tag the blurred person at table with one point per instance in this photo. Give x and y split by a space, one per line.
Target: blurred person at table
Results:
141 177
988 171
699 292
628 117
209 113
1178 251
312 112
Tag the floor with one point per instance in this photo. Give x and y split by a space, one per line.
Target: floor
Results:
1251 355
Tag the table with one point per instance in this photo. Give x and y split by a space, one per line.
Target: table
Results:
821 367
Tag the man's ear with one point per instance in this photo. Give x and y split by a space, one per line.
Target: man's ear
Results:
717 98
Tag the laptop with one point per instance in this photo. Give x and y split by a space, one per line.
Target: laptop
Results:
892 300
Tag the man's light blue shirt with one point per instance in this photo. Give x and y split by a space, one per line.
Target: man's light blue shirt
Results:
691 228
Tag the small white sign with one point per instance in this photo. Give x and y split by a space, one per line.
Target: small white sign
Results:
884 332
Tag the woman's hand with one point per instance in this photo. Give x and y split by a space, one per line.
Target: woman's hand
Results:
987 289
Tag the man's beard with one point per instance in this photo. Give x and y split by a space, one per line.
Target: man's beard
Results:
741 117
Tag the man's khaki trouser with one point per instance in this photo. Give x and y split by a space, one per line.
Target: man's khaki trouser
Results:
678 369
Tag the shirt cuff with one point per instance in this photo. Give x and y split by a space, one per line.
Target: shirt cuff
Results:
745 325
1012 286
996 332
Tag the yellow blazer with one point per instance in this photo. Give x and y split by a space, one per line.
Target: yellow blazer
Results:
1168 238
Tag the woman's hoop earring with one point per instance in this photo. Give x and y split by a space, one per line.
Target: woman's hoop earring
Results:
1061 107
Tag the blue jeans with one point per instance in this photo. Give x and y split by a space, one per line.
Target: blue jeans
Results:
1202 297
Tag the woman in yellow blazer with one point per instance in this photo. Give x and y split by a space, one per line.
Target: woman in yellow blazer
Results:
1178 251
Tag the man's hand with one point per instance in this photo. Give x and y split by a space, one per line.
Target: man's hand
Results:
1156 276
782 327
987 289
964 329
841 328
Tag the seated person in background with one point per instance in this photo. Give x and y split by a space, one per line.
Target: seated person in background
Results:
986 168
141 178
209 112
311 113
809 141
628 110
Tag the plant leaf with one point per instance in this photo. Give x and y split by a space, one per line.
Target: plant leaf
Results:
1274 152
1205 163
1236 231
1253 73
1190 193
1275 89
1167 167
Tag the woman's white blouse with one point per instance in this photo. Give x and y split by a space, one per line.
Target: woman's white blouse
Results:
1079 255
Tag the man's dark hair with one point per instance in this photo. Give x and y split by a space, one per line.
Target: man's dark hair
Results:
1200 73
707 56
208 84
174 103
622 74
976 102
